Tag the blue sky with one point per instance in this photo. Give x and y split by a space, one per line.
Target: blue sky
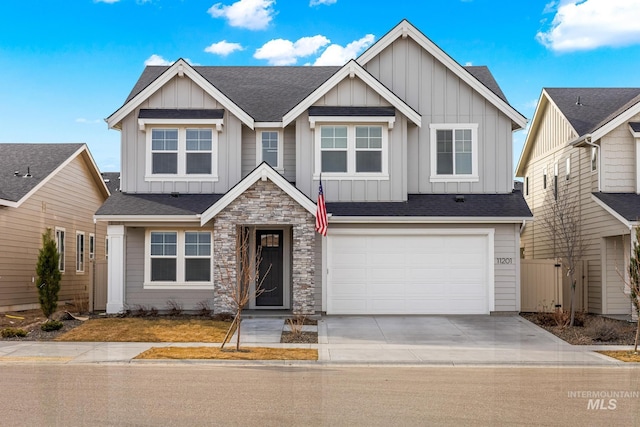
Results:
66 65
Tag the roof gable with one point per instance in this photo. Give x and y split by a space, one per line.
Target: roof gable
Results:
25 168
263 171
350 70
157 77
477 78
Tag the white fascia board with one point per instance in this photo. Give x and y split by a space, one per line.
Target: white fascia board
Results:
350 70
615 122
425 220
180 68
613 213
263 172
390 120
404 29
54 172
142 123
155 219
543 101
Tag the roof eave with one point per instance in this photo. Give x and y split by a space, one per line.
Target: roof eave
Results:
427 219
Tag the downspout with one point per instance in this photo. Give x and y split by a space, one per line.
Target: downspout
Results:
524 224
587 140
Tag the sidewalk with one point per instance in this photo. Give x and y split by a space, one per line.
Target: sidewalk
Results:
366 340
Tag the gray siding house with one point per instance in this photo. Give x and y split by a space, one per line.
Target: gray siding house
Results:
414 154
584 144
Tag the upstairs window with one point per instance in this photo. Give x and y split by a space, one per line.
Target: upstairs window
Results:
352 150
61 247
79 252
454 152
594 159
269 148
544 178
164 151
181 153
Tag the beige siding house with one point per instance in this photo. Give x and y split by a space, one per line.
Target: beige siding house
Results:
583 144
55 186
413 152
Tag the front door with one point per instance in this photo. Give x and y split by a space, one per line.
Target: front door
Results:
269 247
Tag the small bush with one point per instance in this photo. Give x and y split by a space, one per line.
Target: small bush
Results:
295 324
138 310
174 308
13 333
204 309
52 325
224 317
603 330
153 312
81 303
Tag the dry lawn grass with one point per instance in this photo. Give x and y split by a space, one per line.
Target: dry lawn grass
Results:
623 355
148 330
247 353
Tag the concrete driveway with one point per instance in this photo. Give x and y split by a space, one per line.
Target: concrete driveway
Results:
446 339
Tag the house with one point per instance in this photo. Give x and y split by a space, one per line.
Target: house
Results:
583 144
48 186
414 154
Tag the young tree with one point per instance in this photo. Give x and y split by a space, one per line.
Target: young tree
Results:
634 283
248 274
562 223
48 273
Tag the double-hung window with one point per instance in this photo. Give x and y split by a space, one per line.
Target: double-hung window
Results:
454 152
269 148
178 259
358 150
181 153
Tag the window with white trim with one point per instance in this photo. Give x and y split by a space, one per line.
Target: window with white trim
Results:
92 246
79 252
178 259
358 150
181 152
454 152
269 148
594 159
544 178
568 168
60 232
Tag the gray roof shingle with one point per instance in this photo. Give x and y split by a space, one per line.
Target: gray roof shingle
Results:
180 113
157 204
635 126
588 109
626 205
40 160
112 180
510 205
267 93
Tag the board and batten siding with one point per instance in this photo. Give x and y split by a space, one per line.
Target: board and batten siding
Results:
68 200
180 93
440 96
136 295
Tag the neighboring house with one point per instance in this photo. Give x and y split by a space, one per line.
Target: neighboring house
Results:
414 151
584 142
56 186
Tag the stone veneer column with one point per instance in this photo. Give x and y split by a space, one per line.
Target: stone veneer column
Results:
264 203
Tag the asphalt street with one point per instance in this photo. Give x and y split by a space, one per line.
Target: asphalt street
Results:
201 395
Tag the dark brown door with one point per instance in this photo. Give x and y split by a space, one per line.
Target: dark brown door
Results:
269 244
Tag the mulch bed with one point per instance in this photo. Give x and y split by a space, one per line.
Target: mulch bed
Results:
588 329
301 338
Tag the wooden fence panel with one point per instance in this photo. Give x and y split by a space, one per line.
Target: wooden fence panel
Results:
100 286
540 282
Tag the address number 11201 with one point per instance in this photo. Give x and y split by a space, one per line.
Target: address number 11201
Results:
504 260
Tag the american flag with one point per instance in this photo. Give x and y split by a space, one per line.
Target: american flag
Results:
321 213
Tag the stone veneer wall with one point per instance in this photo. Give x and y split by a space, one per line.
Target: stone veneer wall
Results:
264 203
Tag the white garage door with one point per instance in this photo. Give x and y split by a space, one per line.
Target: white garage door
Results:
403 273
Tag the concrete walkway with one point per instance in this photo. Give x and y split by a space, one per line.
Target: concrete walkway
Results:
364 340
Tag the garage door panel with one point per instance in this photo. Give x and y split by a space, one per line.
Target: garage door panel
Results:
408 274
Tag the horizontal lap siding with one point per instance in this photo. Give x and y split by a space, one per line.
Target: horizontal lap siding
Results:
136 295
68 200
617 301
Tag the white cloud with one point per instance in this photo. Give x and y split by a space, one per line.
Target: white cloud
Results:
338 55
468 64
249 14
223 48
157 60
319 2
590 24
286 52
